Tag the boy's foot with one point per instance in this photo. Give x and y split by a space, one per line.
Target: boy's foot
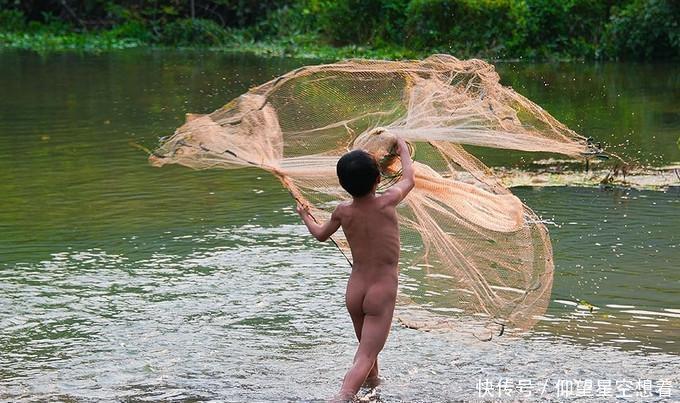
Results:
372 382
342 398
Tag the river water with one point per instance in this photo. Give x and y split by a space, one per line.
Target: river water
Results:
119 281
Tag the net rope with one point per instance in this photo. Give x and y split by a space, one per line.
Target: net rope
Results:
477 247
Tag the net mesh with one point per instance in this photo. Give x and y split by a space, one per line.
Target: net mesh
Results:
479 248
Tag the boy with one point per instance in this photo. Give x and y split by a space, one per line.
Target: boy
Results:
370 224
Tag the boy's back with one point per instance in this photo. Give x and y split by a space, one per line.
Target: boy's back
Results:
371 227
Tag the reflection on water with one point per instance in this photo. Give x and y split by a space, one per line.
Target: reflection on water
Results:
632 109
249 313
120 281
615 252
616 280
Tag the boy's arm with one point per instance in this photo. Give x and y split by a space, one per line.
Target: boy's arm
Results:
398 192
320 231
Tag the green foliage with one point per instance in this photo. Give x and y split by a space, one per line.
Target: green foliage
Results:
468 27
133 30
508 28
187 32
48 41
533 29
569 27
12 20
374 22
645 29
298 20
50 23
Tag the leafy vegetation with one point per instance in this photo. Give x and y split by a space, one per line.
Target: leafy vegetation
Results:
645 29
531 29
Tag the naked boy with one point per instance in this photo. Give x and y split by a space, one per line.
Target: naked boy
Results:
370 224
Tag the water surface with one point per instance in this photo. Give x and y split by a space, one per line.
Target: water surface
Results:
122 281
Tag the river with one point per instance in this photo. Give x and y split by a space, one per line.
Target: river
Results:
119 281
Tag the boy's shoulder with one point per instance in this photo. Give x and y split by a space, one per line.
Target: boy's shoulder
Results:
343 205
342 208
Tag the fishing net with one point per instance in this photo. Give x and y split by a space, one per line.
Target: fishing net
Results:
477 247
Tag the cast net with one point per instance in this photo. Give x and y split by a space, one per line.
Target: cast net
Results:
479 248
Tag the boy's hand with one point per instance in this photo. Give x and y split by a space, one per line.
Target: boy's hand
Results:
302 210
402 147
396 193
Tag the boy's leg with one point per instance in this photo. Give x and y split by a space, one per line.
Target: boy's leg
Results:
374 333
354 302
358 322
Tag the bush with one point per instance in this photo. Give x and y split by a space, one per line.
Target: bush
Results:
12 20
374 22
187 32
245 13
465 27
135 30
287 21
645 29
570 27
535 29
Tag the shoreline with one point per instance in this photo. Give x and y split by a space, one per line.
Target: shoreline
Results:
648 178
300 48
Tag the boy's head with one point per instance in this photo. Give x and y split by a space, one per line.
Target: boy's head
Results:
358 173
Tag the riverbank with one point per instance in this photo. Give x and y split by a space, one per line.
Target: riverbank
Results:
656 179
45 42
637 30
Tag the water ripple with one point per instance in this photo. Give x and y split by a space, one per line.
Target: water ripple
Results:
255 321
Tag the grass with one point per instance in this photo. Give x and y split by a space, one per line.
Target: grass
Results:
298 46
46 41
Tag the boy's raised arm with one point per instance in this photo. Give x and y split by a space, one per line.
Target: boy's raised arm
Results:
320 231
398 192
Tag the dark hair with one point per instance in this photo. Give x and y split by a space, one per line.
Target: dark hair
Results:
357 171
